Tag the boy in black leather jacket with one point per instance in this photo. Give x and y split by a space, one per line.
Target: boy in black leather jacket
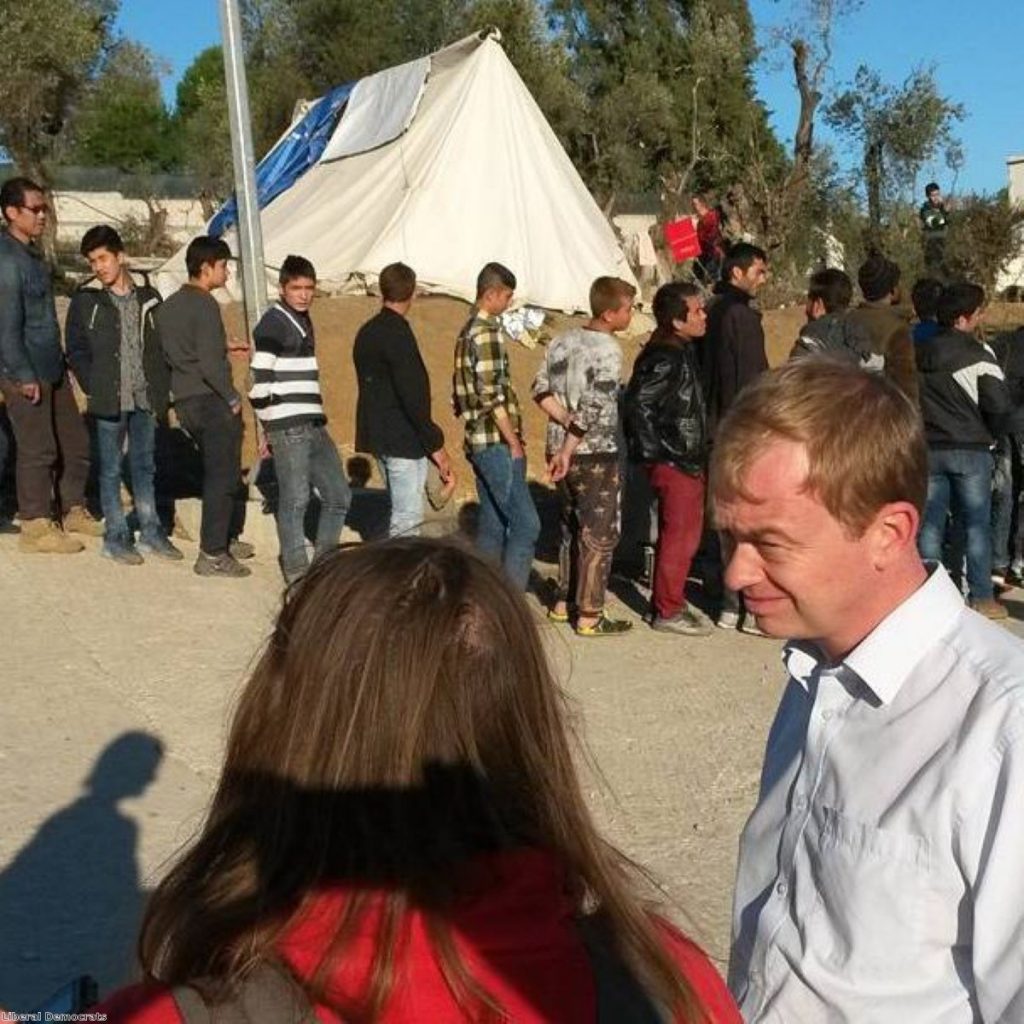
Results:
666 430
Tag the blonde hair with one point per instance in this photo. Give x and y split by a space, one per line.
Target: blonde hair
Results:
864 438
607 294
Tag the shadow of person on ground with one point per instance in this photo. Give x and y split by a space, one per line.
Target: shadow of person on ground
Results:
71 899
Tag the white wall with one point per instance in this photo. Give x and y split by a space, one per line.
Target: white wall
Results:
79 211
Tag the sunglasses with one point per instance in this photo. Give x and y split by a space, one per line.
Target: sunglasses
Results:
35 209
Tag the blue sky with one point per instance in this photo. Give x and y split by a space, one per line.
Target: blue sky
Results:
976 48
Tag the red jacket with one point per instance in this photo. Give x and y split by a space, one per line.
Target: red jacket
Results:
516 936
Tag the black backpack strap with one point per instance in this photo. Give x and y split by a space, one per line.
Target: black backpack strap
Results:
267 996
621 999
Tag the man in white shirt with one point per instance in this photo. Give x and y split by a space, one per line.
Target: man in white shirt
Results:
881 875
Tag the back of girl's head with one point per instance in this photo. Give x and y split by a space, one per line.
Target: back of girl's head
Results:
401 720
402 717
391 660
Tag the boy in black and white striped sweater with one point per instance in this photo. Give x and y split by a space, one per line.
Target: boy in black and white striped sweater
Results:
286 397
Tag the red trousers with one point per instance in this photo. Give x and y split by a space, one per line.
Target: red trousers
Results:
680 523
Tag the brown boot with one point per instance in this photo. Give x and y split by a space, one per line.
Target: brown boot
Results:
990 608
45 537
80 520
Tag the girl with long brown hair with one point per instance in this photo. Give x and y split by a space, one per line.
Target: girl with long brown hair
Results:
399 834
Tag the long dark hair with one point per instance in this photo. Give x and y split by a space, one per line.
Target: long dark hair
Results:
402 718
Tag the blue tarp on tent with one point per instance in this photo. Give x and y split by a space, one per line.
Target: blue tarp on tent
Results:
292 156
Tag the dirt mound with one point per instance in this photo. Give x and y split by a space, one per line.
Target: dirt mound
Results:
437 321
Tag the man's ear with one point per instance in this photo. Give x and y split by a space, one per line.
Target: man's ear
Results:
893 531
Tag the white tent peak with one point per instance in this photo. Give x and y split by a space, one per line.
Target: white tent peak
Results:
476 175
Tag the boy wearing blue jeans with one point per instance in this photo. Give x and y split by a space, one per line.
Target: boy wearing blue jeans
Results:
286 397
483 397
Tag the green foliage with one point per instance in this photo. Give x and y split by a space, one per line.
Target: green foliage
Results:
668 90
205 70
122 121
49 51
985 232
897 129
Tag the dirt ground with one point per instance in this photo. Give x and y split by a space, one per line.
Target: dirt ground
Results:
118 685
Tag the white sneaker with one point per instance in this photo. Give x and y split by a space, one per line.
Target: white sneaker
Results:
728 619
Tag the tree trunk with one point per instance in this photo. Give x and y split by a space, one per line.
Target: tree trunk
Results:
873 185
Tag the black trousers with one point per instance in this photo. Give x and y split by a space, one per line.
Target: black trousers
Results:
218 433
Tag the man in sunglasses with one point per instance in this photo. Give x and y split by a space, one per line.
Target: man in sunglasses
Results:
51 437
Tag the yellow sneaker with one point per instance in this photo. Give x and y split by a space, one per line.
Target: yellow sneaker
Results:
45 537
80 520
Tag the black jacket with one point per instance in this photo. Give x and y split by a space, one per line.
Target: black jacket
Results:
834 335
964 399
1009 352
393 408
733 351
664 414
93 339
192 334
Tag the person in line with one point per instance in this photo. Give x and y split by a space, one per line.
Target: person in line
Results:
733 355
393 417
934 217
966 406
881 317
207 404
285 396
666 431
6 465
484 398
114 350
578 385
879 874
51 437
1008 475
924 297
399 835
710 237
828 330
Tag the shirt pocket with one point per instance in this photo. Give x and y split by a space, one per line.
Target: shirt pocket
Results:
871 886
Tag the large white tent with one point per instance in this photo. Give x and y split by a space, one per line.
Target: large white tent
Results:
444 164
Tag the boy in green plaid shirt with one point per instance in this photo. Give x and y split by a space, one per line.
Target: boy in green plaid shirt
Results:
483 397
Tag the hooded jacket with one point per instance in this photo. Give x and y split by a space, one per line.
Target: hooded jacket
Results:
834 335
964 399
93 338
29 333
733 351
664 414
889 332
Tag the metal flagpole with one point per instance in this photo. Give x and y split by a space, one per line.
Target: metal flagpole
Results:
250 233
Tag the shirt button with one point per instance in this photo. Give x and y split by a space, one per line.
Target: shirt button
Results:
781 888
827 715
800 803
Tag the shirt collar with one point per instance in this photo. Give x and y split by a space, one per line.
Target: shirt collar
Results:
888 654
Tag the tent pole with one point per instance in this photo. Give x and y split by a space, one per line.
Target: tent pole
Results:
250 234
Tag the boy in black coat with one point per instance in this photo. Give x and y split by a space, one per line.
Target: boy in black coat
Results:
113 347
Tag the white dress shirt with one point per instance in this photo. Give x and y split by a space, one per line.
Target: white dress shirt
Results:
881 875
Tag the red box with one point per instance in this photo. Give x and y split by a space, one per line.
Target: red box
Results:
681 236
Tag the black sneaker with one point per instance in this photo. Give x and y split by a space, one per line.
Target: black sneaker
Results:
121 552
688 622
605 626
159 547
241 550
219 565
